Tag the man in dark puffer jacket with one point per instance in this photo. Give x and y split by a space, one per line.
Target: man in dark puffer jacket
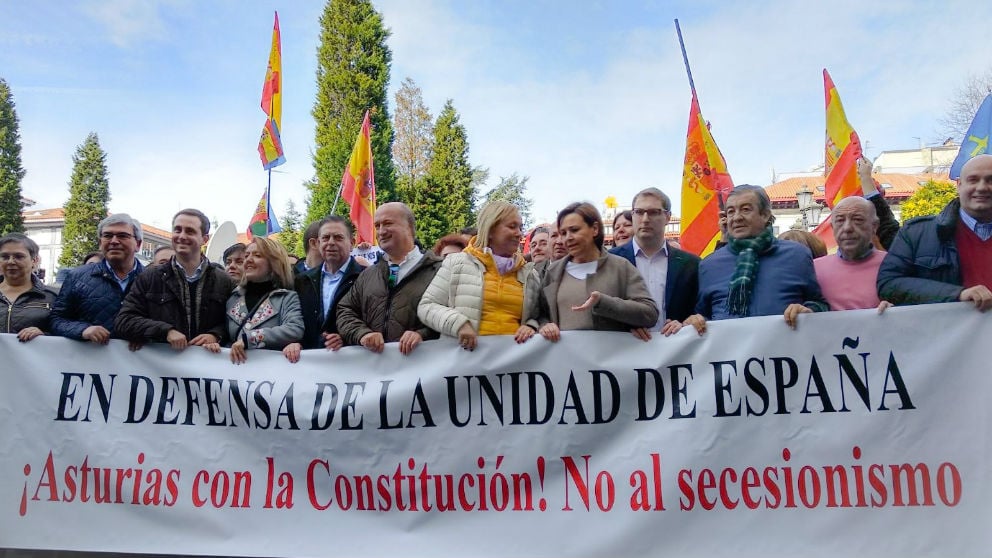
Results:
93 294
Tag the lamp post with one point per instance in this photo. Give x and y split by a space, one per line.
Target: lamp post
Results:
809 210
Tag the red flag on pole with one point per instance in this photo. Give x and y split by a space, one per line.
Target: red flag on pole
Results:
358 184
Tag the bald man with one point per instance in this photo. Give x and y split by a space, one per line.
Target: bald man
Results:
381 306
849 277
947 257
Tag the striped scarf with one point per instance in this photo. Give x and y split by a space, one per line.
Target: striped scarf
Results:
742 284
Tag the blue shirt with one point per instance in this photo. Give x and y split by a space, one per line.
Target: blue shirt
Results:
329 283
983 230
122 283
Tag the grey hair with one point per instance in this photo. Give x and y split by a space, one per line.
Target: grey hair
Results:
121 219
30 245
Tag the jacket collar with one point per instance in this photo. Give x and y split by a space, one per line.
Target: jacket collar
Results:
947 220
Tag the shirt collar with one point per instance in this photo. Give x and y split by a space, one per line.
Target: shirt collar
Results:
405 258
134 267
970 221
639 251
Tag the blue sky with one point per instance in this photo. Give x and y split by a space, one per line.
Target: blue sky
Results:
587 98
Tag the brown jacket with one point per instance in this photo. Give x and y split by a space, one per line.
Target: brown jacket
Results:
624 304
373 306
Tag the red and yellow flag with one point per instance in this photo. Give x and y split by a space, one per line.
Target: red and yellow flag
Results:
270 149
842 151
272 86
358 184
705 184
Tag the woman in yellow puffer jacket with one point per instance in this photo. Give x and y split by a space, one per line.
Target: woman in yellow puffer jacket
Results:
488 289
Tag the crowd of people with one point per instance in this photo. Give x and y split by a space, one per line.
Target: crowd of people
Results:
478 283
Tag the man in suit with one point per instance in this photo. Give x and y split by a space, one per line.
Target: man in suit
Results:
322 287
671 274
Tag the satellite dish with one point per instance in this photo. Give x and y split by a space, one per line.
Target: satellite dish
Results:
225 235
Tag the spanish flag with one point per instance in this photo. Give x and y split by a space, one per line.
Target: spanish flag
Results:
358 184
705 184
842 150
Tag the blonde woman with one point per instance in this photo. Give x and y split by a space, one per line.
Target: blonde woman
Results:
488 289
264 311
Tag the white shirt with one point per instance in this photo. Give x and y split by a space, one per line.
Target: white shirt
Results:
408 263
654 270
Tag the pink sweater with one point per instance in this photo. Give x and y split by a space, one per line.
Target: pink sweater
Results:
849 285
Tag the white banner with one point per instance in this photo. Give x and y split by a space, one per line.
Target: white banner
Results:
856 435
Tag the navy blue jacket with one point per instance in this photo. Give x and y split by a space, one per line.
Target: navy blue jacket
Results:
90 296
923 265
308 285
682 283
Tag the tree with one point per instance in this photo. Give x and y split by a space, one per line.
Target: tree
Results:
11 171
352 76
412 144
443 201
929 199
513 189
964 104
89 192
291 236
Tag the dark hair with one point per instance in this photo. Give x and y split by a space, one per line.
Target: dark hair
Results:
449 240
666 202
231 250
468 231
764 202
312 232
331 219
589 214
159 249
90 255
30 245
625 214
538 230
204 221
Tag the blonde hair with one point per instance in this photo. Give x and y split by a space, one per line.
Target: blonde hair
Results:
490 215
278 258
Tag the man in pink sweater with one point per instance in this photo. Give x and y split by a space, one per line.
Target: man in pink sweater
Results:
848 278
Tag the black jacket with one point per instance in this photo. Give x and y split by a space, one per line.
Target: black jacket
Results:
681 284
154 305
308 285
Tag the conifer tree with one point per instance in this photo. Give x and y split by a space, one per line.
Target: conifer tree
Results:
89 193
412 144
11 171
443 202
352 76
291 236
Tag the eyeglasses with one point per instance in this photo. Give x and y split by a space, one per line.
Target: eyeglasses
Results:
118 236
394 272
653 212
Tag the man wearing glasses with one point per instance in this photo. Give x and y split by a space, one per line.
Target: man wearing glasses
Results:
92 294
671 274
381 307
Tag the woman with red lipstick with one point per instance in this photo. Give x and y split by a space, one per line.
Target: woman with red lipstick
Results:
264 312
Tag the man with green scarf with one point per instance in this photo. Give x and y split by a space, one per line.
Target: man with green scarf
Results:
755 274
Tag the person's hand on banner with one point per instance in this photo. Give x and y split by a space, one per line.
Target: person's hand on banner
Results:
792 312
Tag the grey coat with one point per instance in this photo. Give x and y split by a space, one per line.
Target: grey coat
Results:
277 322
624 304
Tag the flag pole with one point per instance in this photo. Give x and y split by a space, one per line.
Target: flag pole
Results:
685 57
336 198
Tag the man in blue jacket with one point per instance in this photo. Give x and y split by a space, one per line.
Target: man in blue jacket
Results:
947 257
755 274
92 294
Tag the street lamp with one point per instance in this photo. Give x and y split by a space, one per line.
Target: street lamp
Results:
809 210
